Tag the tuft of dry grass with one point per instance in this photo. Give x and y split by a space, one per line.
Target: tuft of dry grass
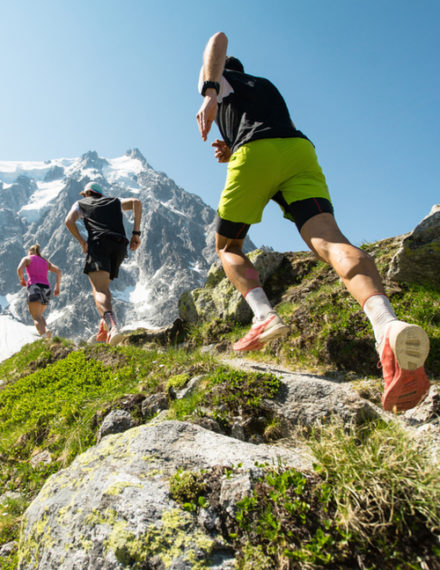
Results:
384 483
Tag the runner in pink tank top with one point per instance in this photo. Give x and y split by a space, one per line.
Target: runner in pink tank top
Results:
38 286
37 271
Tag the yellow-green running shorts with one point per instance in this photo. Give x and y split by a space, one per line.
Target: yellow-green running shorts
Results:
283 169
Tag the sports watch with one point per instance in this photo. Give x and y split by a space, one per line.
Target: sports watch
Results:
210 85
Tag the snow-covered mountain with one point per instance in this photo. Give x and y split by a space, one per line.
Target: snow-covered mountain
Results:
176 251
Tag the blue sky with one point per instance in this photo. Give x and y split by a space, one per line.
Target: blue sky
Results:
361 79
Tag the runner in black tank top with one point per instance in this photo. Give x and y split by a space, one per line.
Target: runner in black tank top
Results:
105 248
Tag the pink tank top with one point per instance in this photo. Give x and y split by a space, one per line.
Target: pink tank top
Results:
37 270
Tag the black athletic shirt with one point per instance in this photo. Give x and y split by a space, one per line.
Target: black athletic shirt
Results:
255 110
102 217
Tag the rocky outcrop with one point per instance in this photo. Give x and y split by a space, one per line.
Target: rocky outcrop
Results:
111 509
418 259
219 298
117 421
308 399
114 507
164 335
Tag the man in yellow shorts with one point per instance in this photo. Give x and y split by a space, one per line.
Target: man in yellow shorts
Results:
269 159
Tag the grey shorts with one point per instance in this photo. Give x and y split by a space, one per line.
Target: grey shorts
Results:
39 293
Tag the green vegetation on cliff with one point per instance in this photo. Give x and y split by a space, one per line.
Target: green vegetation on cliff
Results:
330 333
374 489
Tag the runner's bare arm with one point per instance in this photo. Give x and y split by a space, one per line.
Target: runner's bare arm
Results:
23 263
135 205
213 63
71 219
58 273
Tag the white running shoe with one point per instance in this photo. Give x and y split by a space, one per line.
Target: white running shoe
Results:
114 336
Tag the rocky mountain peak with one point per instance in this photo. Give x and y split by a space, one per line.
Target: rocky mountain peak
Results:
135 153
177 244
91 159
54 173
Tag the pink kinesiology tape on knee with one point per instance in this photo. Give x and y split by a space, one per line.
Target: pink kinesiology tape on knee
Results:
251 273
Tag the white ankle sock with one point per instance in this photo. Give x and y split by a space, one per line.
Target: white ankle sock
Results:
259 303
380 313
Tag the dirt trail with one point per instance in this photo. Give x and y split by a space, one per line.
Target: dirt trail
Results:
271 367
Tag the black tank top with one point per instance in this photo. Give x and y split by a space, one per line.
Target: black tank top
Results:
255 110
103 218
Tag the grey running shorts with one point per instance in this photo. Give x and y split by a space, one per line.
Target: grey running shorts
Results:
39 293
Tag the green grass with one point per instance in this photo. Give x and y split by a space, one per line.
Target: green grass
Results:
187 488
385 487
372 502
286 519
331 334
375 490
184 408
54 408
15 366
227 392
421 305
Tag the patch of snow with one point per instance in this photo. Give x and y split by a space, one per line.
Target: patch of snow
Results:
130 263
14 335
123 171
140 294
125 165
124 294
198 268
52 316
10 170
12 300
40 199
90 173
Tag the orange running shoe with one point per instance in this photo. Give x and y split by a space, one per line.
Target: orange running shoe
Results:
261 332
102 332
402 355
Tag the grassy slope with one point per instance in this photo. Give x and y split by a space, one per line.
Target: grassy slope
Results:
330 334
54 397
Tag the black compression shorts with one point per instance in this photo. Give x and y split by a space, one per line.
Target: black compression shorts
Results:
298 212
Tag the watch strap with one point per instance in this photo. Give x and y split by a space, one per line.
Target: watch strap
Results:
210 85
